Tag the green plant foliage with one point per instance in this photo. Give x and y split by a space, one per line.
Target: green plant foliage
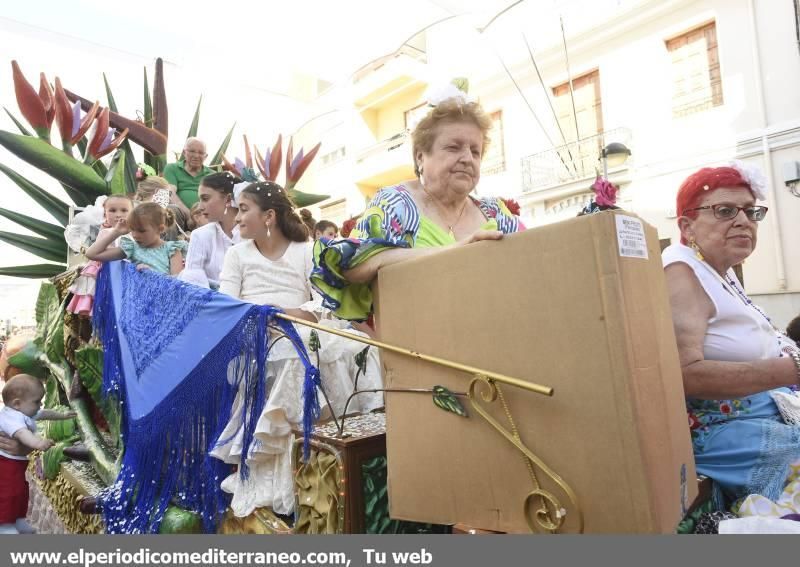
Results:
56 207
19 124
33 271
49 249
217 159
195 120
42 228
54 162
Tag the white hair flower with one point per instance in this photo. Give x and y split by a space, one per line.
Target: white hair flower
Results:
237 190
754 177
437 94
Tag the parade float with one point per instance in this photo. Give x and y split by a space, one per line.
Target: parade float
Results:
473 457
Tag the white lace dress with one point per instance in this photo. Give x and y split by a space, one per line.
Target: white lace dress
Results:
207 247
248 275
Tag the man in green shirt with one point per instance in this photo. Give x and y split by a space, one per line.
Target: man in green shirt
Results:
187 173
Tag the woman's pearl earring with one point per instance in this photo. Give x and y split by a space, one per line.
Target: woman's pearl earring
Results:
269 234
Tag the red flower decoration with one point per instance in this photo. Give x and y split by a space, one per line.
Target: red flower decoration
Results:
347 227
725 408
694 423
513 206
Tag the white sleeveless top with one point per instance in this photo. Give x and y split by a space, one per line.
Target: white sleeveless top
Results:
738 331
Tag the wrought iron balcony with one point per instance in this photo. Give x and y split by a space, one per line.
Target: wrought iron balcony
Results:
570 162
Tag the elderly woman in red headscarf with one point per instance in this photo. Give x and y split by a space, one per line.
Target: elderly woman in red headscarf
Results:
738 368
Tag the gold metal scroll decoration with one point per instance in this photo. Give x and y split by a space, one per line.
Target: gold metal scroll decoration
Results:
551 514
549 504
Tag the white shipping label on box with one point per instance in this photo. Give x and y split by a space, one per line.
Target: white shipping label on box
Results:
630 236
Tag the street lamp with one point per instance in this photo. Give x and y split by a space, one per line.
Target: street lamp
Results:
614 154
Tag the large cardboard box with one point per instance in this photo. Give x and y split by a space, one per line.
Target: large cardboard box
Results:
580 306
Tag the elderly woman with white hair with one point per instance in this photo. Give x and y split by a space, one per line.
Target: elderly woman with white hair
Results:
187 173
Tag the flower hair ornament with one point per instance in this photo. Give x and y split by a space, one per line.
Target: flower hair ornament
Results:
237 190
754 177
143 171
456 90
247 173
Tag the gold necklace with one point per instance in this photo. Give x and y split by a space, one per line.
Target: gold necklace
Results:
441 209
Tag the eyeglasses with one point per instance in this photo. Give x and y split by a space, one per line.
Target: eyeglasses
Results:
728 212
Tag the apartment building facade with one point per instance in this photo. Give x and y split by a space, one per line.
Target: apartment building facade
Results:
683 84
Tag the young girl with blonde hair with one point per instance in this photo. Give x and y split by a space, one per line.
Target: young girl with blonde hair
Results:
146 248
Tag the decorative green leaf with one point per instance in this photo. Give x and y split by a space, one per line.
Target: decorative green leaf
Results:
90 369
33 271
42 228
46 301
217 159
116 174
195 120
313 341
59 429
112 105
56 207
446 400
130 160
54 162
305 199
48 249
80 198
149 158
54 347
19 124
361 360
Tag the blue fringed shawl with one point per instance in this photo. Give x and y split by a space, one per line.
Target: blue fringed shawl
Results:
175 355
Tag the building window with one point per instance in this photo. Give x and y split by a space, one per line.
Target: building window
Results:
494 160
696 77
333 156
583 143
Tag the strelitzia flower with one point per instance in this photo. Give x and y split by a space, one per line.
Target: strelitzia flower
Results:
46 95
81 125
30 103
68 117
101 138
297 165
270 166
149 138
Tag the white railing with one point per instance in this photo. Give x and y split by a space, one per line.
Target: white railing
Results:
572 161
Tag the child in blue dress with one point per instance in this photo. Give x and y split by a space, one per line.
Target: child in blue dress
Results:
145 248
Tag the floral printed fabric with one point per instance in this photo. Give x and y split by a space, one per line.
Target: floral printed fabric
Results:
391 220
